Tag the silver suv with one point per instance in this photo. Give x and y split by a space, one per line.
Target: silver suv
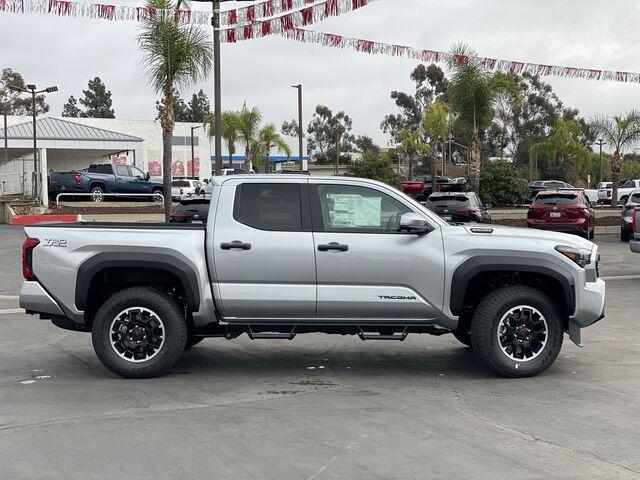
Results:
285 255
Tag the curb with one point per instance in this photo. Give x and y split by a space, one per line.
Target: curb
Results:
35 219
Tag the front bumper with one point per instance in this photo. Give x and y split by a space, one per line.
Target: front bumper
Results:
35 299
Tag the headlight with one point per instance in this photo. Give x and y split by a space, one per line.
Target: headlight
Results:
580 256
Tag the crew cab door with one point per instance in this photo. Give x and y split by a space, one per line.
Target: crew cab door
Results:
366 268
263 251
125 182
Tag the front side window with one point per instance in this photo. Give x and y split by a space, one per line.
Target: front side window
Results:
137 172
347 208
269 206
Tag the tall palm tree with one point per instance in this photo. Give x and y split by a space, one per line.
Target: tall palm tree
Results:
569 157
268 138
175 55
474 91
230 131
619 132
248 128
436 124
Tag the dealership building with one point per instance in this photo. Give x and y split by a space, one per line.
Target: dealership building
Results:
65 144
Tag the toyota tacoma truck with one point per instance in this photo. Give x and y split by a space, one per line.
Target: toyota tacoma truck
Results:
282 256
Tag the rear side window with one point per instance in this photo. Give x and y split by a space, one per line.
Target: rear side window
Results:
100 169
179 183
269 206
559 199
122 170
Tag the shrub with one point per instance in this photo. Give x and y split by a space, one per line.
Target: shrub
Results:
501 184
375 167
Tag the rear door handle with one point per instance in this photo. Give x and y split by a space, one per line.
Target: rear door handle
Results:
236 244
333 246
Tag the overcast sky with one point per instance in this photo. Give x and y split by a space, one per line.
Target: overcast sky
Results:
586 33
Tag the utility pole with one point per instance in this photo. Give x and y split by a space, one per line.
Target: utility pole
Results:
6 140
337 152
600 143
300 156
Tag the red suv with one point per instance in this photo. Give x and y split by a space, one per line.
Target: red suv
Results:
566 211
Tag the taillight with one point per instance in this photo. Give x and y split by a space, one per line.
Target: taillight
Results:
629 207
27 258
181 191
635 222
76 178
608 193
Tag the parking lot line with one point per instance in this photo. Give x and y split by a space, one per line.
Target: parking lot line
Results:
9 297
621 277
8 311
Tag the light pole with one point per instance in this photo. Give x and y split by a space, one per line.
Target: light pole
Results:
299 88
31 88
217 87
600 143
193 154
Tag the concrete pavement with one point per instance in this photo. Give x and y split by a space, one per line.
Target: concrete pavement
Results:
321 407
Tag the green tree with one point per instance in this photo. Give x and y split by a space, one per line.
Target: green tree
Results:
17 103
619 132
412 148
329 132
97 100
175 55
501 185
199 107
437 125
290 129
248 129
364 143
181 111
563 153
230 131
375 167
71 109
473 92
268 139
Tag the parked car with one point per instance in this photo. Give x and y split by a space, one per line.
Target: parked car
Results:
627 217
185 187
194 209
104 178
635 242
443 184
625 188
563 211
542 185
281 256
459 207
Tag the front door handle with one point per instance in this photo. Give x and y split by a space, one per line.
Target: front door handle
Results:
236 244
333 246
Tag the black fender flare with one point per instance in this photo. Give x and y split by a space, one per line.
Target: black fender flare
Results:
183 271
506 263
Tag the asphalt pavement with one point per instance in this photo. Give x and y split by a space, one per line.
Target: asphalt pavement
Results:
320 407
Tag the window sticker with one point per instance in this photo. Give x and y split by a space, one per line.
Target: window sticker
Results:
354 211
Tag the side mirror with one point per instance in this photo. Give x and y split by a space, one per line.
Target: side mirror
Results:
147 176
414 223
488 206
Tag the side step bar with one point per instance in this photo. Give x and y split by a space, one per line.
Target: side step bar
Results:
401 337
271 336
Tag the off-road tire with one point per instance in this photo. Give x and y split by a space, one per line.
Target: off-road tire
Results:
484 329
624 235
175 332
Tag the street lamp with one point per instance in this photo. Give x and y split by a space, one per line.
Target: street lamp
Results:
217 89
193 172
600 143
31 88
299 88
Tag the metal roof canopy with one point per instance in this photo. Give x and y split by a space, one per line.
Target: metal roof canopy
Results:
62 130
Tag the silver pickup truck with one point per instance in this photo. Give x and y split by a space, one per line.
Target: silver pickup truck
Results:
284 256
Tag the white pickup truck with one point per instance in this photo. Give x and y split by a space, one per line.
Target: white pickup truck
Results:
284 255
625 188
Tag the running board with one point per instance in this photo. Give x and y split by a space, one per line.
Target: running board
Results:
370 336
271 336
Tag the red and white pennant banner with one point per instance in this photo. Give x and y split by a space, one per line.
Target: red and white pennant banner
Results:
311 10
434 56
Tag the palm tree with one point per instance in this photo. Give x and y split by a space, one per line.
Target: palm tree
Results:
268 138
229 129
248 128
619 132
570 158
474 91
175 55
436 125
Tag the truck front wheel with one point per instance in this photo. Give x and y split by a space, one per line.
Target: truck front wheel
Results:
139 333
516 331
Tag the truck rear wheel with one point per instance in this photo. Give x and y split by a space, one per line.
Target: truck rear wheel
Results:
139 333
517 332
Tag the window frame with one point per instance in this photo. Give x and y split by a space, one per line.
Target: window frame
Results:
303 197
318 219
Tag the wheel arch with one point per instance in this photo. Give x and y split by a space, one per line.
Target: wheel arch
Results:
157 268
476 272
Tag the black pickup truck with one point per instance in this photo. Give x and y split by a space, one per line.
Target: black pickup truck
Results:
104 178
